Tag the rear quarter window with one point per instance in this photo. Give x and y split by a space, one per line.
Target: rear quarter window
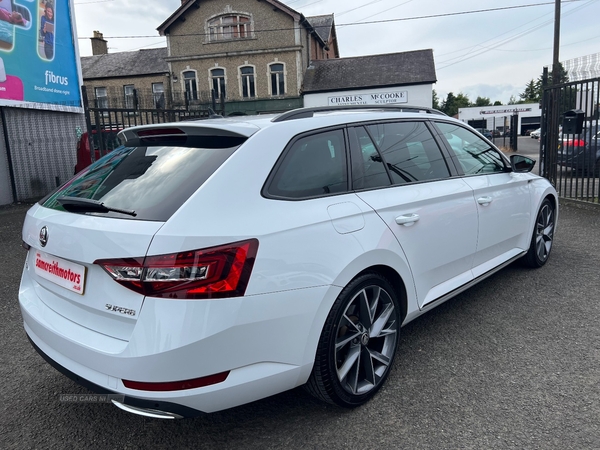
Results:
312 166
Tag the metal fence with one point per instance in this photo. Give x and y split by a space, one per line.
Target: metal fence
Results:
571 160
101 117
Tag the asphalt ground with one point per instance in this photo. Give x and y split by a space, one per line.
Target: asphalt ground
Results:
513 363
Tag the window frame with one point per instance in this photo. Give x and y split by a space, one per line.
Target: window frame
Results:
129 96
190 79
213 79
265 191
282 81
157 94
355 148
215 27
244 77
452 156
101 100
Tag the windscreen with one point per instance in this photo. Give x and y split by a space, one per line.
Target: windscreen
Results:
153 181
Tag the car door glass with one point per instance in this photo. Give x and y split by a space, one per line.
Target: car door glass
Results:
313 166
368 170
472 153
409 151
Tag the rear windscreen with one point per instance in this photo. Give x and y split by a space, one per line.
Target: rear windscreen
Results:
152 181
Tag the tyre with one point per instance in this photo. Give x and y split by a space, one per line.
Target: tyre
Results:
358 343
543 235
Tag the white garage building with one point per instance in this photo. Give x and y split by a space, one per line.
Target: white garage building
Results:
498 117
393 78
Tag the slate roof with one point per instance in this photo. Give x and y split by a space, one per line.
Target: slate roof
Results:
391 69
125 64
322 25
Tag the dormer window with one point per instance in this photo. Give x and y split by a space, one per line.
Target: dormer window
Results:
228 27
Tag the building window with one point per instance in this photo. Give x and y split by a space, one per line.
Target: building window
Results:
277 79
129 94
218 82
158 95
248 89
229 26
101 97
191 87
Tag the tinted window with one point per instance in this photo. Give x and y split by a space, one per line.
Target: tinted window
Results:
472 153
152 181
368 170
410 151
313 166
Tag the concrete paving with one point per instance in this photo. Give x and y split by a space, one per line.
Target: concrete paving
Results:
513 363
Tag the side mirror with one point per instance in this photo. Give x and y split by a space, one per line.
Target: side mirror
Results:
521 164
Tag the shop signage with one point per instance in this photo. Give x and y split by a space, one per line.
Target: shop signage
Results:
375 98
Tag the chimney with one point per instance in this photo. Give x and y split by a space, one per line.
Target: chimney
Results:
99 45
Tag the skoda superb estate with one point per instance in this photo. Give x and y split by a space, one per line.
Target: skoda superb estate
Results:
204 265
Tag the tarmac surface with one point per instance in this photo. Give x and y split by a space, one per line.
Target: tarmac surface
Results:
513 363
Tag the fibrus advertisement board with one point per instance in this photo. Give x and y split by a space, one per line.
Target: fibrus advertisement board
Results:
39 64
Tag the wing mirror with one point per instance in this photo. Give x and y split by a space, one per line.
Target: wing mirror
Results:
521 163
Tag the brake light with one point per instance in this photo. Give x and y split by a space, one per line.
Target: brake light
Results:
161 132
575 142
215 272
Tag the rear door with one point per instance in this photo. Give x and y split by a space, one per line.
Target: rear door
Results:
401 172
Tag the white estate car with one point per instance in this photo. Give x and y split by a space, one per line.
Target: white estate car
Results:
207 264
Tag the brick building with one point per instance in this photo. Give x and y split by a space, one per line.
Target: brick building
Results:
251 53
126 79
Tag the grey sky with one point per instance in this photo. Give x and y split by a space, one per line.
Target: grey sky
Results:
489 54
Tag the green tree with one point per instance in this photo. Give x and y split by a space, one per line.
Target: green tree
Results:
435 100
563 77
497 103
452 103
512 100
532 92
482 101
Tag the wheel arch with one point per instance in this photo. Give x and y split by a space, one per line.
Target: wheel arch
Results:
397 283
384 262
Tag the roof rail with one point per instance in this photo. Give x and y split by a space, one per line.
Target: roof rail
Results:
302 113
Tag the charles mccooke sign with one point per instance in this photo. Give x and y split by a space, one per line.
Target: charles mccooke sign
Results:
379 98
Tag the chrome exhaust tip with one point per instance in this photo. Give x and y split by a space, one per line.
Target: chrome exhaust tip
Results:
146 412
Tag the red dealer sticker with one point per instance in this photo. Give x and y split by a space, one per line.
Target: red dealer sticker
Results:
62 272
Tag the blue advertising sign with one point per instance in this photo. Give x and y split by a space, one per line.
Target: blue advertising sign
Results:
38 61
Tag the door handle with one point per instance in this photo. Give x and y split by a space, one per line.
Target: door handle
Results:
484 201
407 219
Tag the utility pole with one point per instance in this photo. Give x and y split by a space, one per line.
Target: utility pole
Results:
549 147
555 62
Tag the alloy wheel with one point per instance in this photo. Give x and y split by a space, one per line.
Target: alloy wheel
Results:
366 340
544 232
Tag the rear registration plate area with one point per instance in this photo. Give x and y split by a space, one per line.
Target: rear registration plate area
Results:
61 272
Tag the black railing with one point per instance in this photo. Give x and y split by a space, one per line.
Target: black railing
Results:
101 116
571 158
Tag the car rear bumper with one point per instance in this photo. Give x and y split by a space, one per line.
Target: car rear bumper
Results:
266 343
172 409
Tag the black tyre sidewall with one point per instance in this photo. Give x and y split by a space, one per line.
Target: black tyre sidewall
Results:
327 343
532 257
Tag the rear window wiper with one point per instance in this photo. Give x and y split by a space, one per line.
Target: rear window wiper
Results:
83 205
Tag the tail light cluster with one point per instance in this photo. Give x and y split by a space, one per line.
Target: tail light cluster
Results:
214 272
574 143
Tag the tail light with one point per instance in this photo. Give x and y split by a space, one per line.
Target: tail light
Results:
575 143
215 272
